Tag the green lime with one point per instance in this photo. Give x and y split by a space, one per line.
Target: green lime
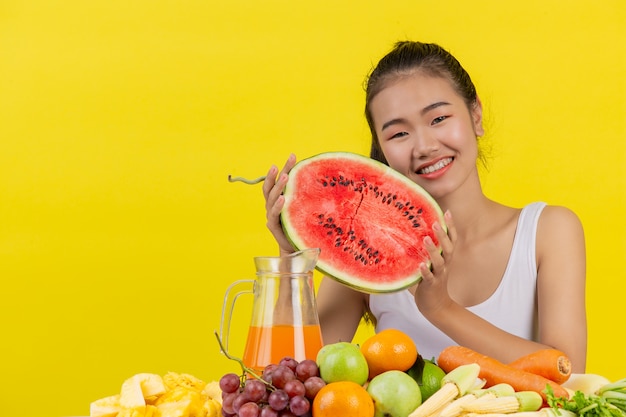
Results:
416 370
431 379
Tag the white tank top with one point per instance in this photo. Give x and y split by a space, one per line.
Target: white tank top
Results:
512 307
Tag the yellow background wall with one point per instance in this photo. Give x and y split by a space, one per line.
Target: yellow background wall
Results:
120 121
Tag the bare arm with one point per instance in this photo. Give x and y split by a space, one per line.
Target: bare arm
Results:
560 288
561 284
340 310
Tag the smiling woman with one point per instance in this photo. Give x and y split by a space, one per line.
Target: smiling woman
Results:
494 281
120 121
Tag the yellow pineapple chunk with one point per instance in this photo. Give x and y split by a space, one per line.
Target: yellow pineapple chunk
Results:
213 390
137 388
152 385
150 395
105 407
213 407
173 380
140 411
182 402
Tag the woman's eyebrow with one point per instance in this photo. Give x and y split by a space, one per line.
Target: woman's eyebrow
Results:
391 123
433 106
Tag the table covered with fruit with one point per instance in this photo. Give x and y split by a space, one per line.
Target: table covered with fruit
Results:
385 376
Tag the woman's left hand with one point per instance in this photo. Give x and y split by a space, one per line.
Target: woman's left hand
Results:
432 292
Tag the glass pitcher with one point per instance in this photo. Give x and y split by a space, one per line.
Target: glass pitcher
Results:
284 313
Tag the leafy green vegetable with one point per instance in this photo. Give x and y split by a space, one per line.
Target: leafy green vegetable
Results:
584 405
615 393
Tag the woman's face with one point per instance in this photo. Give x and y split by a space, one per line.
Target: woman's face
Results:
427 133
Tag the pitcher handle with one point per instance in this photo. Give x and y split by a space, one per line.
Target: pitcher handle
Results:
235 289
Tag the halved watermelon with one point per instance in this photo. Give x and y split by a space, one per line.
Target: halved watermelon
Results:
368 220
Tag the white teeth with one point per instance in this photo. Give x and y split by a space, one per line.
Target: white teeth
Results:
432 168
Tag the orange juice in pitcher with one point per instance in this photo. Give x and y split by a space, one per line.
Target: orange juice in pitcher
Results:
284 314
269 344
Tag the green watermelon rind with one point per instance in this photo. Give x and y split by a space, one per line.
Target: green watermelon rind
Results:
326 269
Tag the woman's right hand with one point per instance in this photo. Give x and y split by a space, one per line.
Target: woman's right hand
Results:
273 187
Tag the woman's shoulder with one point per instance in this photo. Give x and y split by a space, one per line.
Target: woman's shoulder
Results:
552 222
558 226
556 217
550 216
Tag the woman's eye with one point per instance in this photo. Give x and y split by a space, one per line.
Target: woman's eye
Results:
398 135
439 119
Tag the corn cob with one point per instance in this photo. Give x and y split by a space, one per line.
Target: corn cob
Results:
488 405
486 415
543 412
453 385
551 412
455 408
519 401
498 390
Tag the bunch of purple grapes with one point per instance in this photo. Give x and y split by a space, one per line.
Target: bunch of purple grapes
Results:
287 389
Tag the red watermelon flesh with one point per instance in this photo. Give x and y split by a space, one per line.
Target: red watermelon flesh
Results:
368 220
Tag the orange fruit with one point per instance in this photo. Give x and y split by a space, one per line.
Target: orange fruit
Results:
343 398
389 350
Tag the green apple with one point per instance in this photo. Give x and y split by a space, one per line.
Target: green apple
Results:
342 361
395 394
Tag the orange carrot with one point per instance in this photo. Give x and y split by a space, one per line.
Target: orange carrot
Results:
496 372
549 363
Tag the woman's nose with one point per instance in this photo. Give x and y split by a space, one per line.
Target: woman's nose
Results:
424 145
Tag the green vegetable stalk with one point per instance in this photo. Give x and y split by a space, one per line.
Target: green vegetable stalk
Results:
615 393
608 401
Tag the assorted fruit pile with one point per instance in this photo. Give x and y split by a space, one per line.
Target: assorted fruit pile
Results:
387 377
384 377
150 395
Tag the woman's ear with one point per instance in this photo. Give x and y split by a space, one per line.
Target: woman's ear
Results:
477 117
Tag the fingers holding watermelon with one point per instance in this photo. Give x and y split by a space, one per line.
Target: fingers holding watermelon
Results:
441 253
273 187
437 267
447 239
432 292
438 254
